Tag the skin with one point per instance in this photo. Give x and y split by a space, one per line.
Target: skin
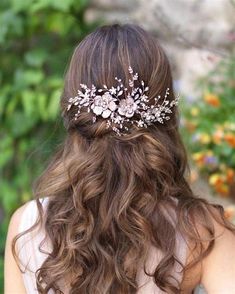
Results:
216 272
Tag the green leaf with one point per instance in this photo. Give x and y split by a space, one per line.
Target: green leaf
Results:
20 124
53 107
19 5
55 82
42 106
6 150
59 5
28 101
10 24
5 156
227 150
3 98
9 196
36 57
11 105
24 78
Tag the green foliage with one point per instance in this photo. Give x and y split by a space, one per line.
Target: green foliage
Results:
210 127
37 38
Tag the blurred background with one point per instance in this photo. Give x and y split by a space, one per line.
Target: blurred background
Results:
37 38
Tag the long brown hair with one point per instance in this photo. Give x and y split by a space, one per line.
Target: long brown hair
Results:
106 192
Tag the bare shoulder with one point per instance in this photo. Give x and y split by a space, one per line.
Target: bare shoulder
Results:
216 270
11 269
16 216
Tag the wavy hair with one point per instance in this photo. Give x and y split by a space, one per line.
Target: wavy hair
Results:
107 193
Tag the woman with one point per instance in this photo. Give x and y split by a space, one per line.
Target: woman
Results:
113 209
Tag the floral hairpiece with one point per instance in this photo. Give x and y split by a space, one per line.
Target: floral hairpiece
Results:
105 102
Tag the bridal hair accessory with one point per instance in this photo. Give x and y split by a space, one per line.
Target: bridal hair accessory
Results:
106 103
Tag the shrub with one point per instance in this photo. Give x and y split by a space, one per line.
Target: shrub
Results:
209 128
36 40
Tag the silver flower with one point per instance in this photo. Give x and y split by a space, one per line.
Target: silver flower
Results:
113 91
127 107
104 105
157 112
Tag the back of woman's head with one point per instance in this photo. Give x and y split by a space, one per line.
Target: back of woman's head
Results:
142 153
107 191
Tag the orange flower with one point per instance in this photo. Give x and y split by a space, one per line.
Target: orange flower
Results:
190 126
215 180
198 157
223 190
230 139
230 175
212 99
218 181
217 136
